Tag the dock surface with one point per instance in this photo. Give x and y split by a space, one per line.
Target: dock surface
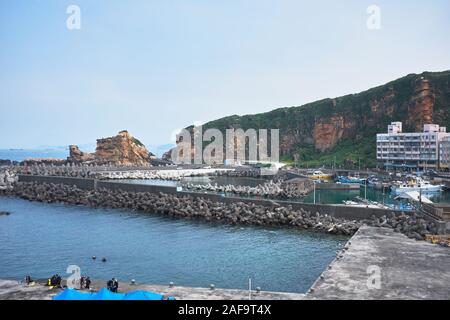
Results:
382 264
13 290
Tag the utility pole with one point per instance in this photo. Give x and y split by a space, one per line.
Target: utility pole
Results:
365 189
420 197
314 192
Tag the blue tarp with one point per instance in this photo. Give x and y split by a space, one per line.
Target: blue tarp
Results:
143 295
71 294
105 294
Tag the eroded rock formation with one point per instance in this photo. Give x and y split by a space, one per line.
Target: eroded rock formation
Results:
122 149
76 155
327 132
420 111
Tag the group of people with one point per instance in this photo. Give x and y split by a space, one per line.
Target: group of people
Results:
113 285
28 280
85 282
54 281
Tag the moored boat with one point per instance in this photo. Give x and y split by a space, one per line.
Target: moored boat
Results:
319 175
344 179
415 184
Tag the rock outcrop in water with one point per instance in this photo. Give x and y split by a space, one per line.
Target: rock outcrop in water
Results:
78 156
122 150
5 162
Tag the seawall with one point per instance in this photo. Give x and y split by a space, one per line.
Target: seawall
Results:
337 211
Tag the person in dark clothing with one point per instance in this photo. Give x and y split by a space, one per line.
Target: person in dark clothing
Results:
58 281
115 285
54 281
82 281
87 283
109 285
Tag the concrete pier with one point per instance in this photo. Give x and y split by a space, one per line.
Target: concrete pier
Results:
408 269
13 290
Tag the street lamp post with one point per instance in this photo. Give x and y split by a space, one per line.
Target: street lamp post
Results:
314 198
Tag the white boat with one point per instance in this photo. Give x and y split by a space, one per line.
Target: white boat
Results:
417 184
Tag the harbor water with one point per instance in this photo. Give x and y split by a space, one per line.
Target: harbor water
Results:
323 196
41 239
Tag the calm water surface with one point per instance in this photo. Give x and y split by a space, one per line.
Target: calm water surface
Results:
42 239
322 196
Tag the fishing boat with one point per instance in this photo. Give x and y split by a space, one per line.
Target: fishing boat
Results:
415 184
319 175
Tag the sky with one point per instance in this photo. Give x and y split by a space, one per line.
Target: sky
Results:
152 67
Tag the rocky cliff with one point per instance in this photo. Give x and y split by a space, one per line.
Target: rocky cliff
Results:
122 149
343 129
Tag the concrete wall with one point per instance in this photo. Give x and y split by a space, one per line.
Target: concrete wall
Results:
338 211
82 183
338 186
132 187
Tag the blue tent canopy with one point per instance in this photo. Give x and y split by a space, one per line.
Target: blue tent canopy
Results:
143 295
71 294
105 294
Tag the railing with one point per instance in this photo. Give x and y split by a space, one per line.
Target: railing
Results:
437 212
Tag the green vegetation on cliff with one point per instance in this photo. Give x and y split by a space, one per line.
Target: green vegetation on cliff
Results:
342 131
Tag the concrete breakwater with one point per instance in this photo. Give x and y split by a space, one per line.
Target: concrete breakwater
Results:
215 208
185 206
167 174
105 172
7 179
268 189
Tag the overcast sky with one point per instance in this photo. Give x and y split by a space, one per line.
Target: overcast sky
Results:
154 66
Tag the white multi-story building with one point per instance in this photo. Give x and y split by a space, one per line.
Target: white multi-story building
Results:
444 156
398 149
